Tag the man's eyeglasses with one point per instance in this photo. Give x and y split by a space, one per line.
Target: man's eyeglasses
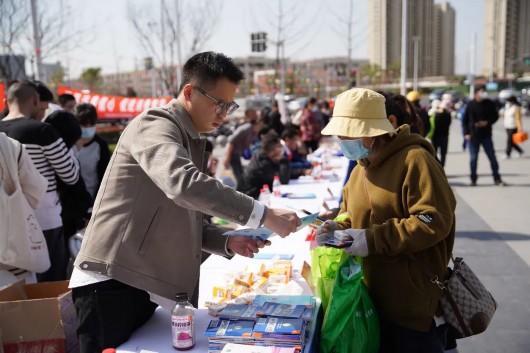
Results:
221 105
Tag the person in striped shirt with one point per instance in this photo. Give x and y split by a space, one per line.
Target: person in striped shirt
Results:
52 159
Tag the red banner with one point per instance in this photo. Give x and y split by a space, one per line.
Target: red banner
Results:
2 96
115 107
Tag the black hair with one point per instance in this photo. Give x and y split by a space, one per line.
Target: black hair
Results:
206 68
513 100
270 140
21 92
65 98
393 109
86 114
66 124
45 94
479 88
263 131
289 133
409 113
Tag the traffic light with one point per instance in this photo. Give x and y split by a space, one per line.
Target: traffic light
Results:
258 41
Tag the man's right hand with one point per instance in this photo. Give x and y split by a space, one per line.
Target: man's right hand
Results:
467 137
281 222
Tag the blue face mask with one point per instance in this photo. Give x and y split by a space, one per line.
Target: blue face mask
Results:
354 149
88 132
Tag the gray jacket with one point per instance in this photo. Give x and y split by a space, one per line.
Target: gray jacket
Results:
147 227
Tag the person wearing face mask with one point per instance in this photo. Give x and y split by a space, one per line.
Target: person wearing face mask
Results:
92 151
399 204
479 117
512 123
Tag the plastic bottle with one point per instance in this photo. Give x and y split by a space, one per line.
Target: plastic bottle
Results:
276 186
265 195
182 323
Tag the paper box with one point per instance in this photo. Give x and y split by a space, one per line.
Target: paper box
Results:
38 318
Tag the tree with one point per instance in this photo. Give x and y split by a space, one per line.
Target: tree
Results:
92 78
162 37
13 25
57 78
371 73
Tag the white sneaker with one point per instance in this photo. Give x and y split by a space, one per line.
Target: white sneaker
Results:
517 155
505 156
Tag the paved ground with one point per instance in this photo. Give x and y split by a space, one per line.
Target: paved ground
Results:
493 236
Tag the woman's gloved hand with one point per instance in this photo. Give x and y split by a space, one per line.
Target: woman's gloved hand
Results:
359 246
325 231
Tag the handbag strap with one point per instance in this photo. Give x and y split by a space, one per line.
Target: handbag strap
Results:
9 166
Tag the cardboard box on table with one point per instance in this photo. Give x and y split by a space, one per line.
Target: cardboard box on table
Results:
38 318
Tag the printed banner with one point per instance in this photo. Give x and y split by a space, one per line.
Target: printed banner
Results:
2 96
115 107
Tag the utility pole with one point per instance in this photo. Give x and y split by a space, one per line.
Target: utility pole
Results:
179 57
472 64
36 39
416 62
494 43
163 32
350 24
403 83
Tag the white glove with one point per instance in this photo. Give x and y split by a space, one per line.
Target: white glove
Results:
359 246
325 231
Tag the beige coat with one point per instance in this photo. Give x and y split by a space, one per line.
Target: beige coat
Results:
147 227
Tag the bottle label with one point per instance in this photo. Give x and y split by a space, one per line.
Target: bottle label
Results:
182 331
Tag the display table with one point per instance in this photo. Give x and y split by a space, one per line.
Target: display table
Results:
155 335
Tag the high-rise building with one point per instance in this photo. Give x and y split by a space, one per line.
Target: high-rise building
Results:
444 40
506 36
384 35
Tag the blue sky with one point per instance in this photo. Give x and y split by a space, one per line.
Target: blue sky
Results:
109 40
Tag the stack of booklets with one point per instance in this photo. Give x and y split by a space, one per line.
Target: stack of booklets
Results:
268 324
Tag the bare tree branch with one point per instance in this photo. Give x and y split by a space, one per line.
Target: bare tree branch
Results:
13 21
203 24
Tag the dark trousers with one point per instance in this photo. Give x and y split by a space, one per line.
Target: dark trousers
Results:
440 143
396 339
108 313
311 146
509 143
237 168
474 147
58 256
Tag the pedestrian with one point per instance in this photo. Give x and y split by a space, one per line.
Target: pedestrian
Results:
423 128
512 123
67 102
52 159
240 140
400 203
33 185
147 227
439 134
479 117
263 166
310 126
91 150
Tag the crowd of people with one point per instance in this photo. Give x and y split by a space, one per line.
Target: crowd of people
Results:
146 209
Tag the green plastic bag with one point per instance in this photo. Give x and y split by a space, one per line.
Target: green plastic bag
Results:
325 264
350 324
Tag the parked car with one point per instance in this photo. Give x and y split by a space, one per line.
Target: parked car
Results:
507 93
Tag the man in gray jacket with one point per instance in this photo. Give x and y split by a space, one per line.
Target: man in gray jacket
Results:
147 228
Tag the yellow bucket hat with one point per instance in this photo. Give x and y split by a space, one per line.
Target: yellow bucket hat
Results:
359 112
